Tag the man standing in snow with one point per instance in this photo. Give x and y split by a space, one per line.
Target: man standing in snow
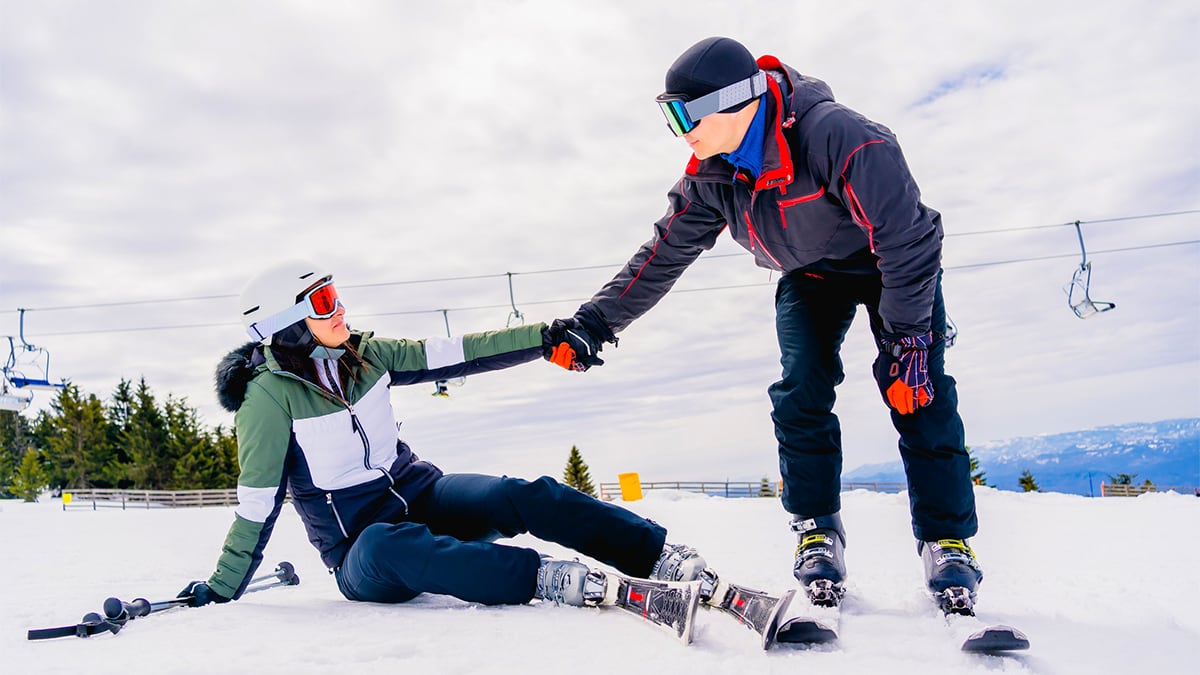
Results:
822 194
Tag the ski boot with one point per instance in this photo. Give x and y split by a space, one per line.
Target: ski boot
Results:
820 566
682 563
951 573
678 563
568 582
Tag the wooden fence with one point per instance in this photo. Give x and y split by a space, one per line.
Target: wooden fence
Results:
151 499
146 499
610 491
1117 490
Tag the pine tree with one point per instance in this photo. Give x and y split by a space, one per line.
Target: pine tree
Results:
74 437
977 477
764 488
210 463
119 472
16 437
1122 478
576 473
1027 482
187 443
146 442
31 477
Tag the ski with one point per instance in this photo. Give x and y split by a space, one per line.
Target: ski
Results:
757 610
668 605
819 623
995 639
958 608
808 630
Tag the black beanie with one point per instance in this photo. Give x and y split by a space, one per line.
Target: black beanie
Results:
707 66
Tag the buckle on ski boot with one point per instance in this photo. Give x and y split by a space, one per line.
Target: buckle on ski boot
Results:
956 600
825 593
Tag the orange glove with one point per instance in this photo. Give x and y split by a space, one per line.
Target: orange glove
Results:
910 388
564 356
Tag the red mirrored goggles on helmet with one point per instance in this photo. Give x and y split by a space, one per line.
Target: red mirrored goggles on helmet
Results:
319 302
322 301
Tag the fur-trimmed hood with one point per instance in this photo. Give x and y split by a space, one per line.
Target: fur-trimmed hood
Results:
241 365
234 373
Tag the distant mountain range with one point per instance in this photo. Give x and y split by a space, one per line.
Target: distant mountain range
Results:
1167 453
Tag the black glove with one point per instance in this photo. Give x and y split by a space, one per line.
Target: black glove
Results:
590 318
201 594
566 343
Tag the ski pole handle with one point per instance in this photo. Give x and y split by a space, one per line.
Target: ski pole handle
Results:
293 580
283 571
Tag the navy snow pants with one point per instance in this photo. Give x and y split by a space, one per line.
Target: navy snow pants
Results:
446 545
813 314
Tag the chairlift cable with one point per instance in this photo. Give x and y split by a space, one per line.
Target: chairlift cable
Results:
125 303
413 312
1076 223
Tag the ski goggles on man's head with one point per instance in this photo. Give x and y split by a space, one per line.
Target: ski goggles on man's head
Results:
319 302
683 116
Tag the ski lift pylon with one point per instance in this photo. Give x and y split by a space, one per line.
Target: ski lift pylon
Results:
1078 291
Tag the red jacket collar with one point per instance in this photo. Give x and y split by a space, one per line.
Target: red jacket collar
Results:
777 156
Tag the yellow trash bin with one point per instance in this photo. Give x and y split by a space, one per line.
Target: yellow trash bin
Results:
631 486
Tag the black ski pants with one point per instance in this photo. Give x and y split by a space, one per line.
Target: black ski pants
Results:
447 546
813 314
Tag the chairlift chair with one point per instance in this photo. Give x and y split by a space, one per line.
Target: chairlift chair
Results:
18 378
28 365
12 400
1078 291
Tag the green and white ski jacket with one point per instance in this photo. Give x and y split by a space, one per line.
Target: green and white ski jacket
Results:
340 458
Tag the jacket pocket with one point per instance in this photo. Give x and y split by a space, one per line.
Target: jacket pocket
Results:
808 222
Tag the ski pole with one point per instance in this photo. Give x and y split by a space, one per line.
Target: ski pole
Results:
118 613
114 609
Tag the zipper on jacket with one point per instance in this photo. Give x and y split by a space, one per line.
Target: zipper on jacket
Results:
402 499
355 425
336 516
362 434
754 238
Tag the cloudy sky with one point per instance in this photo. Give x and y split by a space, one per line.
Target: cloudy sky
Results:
153 154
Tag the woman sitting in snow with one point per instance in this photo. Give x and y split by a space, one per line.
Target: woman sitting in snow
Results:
314 416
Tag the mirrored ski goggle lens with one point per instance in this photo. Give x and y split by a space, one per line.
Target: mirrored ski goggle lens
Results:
678 120
324 301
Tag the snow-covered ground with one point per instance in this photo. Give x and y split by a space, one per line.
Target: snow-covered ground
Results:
1099 585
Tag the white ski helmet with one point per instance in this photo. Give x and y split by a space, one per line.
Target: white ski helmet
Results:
267 302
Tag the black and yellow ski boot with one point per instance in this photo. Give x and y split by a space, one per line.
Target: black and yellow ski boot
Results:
820 566
951 574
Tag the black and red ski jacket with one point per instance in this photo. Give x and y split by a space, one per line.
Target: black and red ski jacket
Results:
835 194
